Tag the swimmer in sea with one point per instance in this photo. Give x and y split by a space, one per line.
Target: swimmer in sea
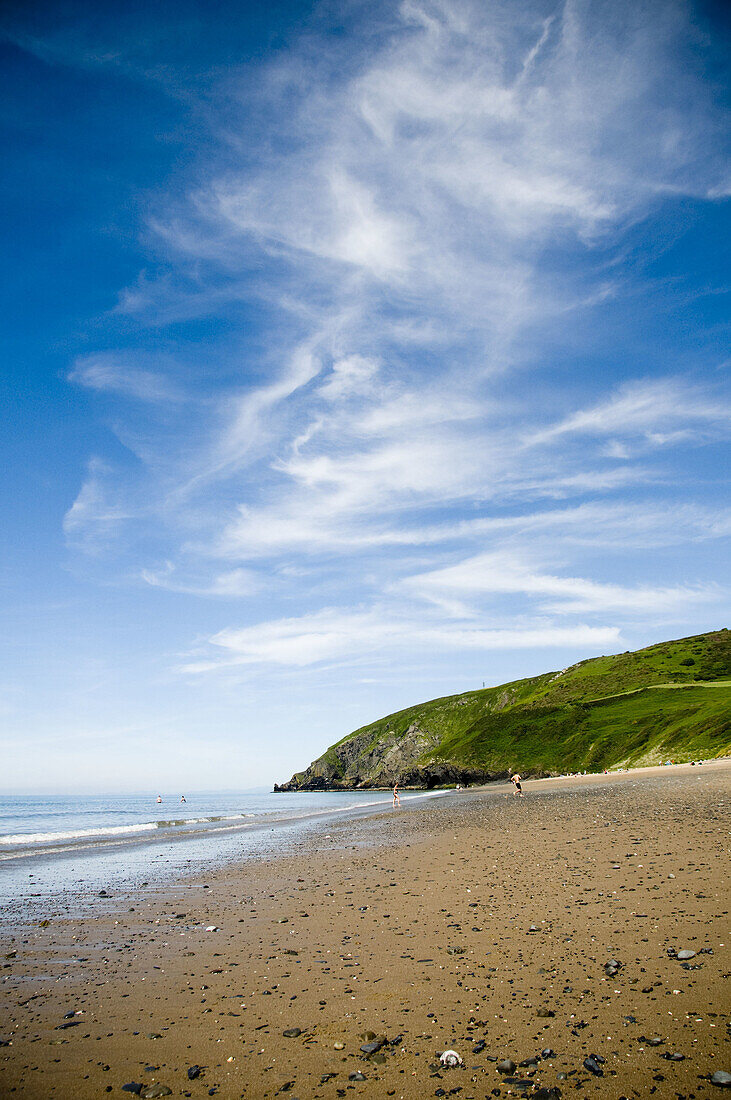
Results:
516 780
396 799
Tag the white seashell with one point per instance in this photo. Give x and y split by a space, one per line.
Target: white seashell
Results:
450 1058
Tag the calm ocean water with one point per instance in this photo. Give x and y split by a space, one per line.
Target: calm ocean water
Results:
61 847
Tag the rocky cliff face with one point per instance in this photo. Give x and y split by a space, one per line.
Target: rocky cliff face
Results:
363 762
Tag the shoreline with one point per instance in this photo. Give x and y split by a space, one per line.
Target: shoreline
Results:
469 922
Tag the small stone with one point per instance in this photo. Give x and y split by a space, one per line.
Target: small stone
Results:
155 1090
593 1064
455 950
683 955
373 1046
339 1046
357 1076
193 1072
506 1066
656 1041
153 1035
380 1058
548 1053
133 1086
529 1061
292 1032
545 1013
721 1078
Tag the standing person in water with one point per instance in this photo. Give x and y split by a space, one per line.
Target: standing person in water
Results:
516 780
396 799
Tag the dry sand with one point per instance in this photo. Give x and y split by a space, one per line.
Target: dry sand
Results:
473 923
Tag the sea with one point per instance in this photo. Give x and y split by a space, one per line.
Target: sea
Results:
56 850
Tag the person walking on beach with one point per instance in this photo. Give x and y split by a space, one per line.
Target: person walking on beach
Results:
516 780
396 799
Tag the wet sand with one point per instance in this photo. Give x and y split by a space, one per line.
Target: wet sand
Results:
476 924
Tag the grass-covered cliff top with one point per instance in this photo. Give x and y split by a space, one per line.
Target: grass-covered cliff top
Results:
669 701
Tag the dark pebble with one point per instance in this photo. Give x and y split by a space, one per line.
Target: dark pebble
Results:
594 1065
372 1047
357 1076
193 1072
506 1066
133 1086
292 1032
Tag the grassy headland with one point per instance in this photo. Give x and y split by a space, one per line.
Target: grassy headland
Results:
671 701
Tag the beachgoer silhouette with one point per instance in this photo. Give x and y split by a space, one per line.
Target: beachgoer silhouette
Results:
516 780
396 799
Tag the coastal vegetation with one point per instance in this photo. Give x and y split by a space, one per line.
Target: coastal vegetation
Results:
668 702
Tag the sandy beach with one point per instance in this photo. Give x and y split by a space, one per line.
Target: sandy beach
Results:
538 938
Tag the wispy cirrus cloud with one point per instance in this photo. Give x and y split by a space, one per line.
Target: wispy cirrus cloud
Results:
511 573
112 374
660 410
409 248
345 634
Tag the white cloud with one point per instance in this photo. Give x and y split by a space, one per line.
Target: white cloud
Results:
337 635
231 583
353 375
507 572
96 517
647 407
109 373
407 248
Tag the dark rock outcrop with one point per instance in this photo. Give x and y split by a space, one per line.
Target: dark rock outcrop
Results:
362 763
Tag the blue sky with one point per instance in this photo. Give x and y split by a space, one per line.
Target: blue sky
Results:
354 354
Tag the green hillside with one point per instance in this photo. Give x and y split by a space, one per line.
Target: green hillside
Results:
669 701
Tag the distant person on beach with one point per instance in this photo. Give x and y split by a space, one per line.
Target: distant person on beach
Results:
516 780
159 798
182 798
396 799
